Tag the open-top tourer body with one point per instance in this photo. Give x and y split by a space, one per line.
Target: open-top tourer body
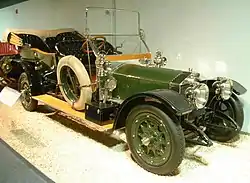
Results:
160 108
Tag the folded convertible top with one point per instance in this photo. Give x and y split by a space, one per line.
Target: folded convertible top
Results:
41 33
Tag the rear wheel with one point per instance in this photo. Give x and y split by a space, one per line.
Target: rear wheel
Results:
27 101
155 141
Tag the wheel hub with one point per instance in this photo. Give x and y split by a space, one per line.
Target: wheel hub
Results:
70 83
25 93
151 139
145 141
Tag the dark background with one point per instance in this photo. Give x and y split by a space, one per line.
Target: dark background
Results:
6 3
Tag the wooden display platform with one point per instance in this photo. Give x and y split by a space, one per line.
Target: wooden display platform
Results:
63 106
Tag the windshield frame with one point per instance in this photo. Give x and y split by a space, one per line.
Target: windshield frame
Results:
140 32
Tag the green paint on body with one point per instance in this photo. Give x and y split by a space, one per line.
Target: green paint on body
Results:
133 78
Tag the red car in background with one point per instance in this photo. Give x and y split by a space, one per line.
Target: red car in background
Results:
7 53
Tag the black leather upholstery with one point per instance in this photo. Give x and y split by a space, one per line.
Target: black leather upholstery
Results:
69 36
34 41
74 47
70 48
51 42
66 43
65 36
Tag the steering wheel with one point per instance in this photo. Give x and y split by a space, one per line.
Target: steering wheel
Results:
102 43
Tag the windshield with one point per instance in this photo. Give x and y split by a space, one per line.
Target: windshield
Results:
121 28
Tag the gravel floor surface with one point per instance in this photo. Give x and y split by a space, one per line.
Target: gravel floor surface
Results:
70 153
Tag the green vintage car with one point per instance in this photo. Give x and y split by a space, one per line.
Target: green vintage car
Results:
161 109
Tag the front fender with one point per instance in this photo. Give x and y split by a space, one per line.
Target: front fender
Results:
230 123
238 88
174 102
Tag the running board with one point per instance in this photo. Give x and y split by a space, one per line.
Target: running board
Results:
64 107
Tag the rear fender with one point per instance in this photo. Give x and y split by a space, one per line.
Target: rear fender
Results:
172 101
33 76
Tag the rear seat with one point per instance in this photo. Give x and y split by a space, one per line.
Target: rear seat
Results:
35 42
65 36
74 47
51 42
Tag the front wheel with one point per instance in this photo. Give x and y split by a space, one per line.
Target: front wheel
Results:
28 103
232 108
155 141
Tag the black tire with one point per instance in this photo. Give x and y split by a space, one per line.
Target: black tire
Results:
236 112
27 101
174 145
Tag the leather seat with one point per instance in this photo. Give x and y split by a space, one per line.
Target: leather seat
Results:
69 36
70 47
65 36
35 42
51 42
74 47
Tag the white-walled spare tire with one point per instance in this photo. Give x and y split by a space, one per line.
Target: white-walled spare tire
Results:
74 65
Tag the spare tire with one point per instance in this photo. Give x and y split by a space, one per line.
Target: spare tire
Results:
72 79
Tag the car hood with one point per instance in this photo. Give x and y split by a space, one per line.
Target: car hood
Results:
154 74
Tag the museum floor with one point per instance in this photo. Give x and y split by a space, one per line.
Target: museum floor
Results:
67 152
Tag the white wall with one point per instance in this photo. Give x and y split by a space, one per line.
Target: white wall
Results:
48 14
211 36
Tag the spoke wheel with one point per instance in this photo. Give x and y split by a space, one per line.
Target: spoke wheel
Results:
155 141
74 82
151 139
27 101
232 108
70 83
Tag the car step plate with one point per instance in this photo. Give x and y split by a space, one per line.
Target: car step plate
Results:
63 106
